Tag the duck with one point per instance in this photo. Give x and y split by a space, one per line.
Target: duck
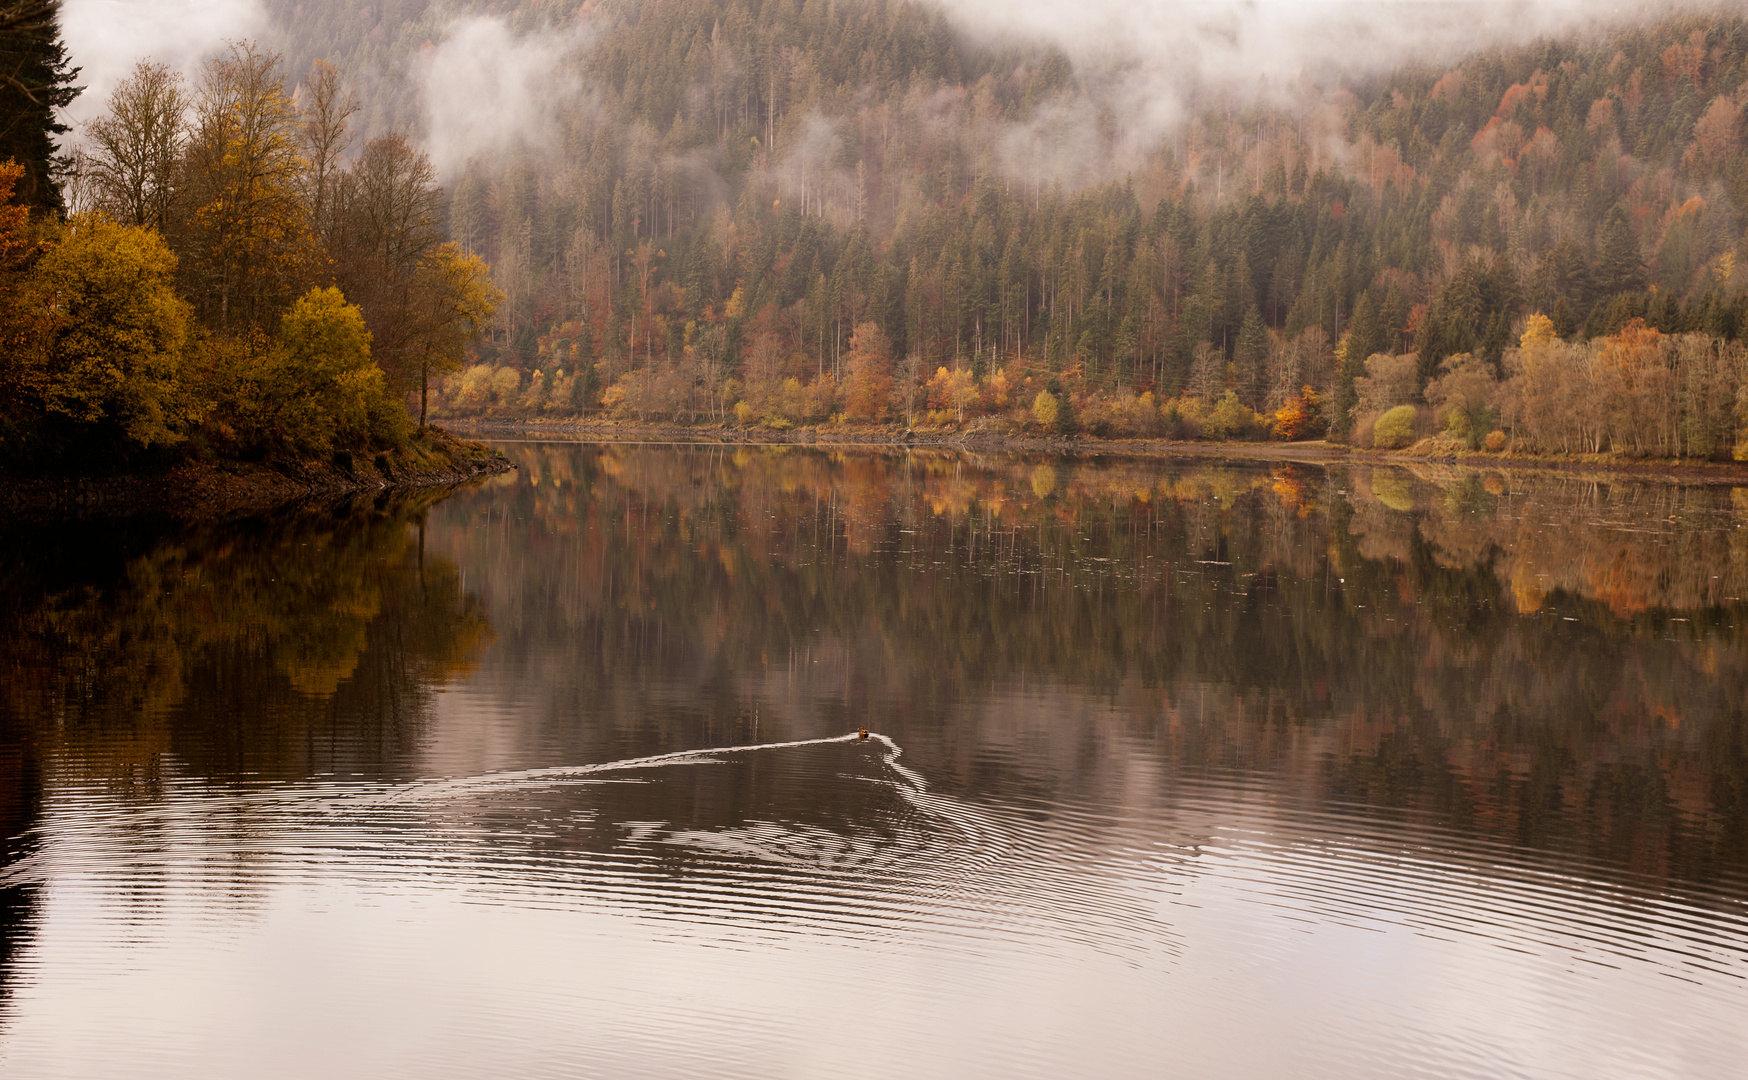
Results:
862 732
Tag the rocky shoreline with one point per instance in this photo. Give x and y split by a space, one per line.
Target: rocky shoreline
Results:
206 490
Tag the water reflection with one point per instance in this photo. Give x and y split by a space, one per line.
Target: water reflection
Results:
1286 769
306 643
303 643
1465 647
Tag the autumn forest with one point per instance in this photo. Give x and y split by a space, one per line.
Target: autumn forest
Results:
765 214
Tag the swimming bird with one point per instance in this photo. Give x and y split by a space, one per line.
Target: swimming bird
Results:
862 732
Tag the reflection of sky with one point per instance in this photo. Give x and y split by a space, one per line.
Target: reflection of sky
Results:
1132 875
1222 932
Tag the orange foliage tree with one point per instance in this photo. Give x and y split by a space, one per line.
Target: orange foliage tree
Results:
870 383
1300 416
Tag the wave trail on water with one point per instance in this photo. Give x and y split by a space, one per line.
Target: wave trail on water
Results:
560 774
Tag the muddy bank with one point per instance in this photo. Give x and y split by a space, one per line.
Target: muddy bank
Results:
206 490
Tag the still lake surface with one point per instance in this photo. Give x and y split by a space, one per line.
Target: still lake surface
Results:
1195 768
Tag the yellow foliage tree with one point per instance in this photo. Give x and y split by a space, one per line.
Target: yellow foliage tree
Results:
1045 410
316 389
117 338
241 225
453 299
1539 330
953 391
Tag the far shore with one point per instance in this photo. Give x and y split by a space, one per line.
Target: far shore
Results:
1312 452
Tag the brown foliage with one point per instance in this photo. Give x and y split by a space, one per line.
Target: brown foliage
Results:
870 383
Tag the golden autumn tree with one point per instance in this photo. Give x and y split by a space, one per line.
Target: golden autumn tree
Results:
241 229
451 300
315 390
115 349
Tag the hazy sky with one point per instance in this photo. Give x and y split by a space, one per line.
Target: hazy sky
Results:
1135 57
107 37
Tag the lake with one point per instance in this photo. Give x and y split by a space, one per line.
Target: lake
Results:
1189 767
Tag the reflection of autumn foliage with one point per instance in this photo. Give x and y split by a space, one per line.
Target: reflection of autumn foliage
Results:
307 620
1357 630
1632 548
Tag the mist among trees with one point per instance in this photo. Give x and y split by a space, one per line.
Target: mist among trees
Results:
764 213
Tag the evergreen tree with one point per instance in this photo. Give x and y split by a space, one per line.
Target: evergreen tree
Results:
1493 343
35 81
1562 318
1250 358
1617 267
1361 341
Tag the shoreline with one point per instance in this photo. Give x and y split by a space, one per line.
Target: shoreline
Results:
1318 452
195 491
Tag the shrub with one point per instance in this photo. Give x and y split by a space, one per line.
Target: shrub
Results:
1230 419
471 390
505 382
1395 429
1183 417
1495 441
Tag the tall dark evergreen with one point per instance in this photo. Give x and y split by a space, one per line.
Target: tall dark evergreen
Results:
1618 267
1363 340
36 80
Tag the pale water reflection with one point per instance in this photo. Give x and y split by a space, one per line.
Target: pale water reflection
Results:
1176 769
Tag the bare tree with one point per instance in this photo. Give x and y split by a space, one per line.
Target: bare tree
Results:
388 221
135 147
327 105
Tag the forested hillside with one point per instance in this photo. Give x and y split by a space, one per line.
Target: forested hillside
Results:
763 211
735 187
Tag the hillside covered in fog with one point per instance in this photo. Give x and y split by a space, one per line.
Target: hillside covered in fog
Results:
671 168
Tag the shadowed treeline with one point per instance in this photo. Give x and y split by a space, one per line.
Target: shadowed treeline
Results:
303 643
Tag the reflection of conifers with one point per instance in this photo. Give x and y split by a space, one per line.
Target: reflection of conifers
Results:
1288 618
325 627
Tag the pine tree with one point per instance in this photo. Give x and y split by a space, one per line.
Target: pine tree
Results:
1617 267
1352 353
1494 341
35 81
1250 358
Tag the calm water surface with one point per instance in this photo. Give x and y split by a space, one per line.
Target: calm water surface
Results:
1178 769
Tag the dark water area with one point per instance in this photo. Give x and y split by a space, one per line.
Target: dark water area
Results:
1202 769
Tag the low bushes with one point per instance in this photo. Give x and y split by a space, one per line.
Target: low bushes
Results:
1395 429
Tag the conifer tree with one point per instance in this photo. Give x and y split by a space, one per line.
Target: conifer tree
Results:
36 79
1618 267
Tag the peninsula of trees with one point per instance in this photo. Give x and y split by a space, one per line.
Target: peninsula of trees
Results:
214 274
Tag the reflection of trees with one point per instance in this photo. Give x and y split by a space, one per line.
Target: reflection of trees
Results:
299 643
1361 631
